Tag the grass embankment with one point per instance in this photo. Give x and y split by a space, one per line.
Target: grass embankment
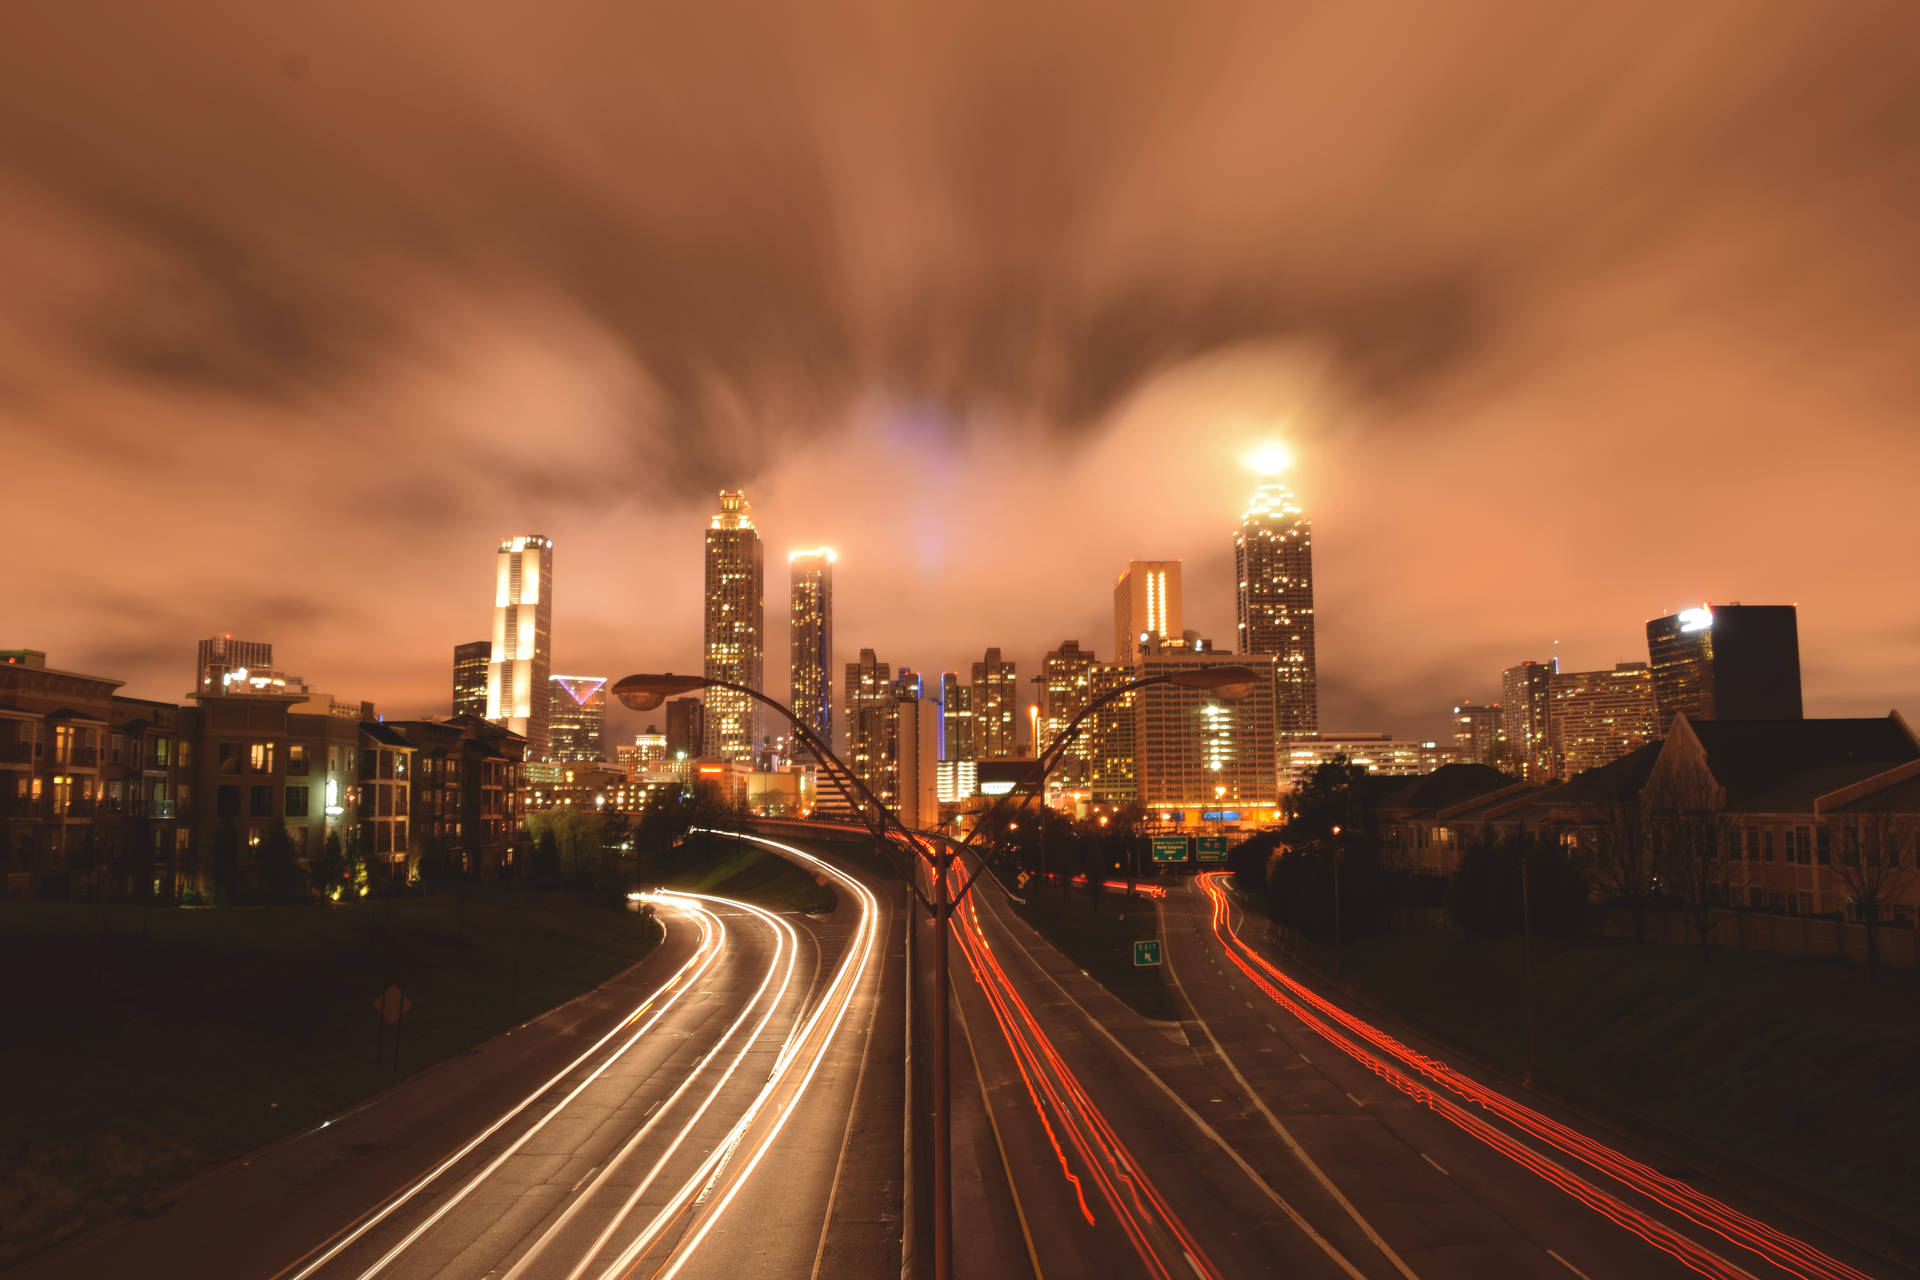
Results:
1097 932
737 869
1795 1067
141 1046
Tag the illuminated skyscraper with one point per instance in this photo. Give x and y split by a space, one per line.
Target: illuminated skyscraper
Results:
956 718
1726 662
996 702
221 654
1065 690
1109 737
812 628
1595 717
686 727
1526 697
577 727
1193 749
470 677
735 628
1479 734
1146 601
522 657
1273 556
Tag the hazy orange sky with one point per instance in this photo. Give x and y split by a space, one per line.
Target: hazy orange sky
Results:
1570 320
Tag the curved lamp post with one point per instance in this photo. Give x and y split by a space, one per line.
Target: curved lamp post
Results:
648 692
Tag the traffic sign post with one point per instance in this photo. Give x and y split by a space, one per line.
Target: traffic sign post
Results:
1169 848
1211 848
1147 952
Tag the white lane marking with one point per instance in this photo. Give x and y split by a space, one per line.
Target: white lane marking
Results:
846 1138
1356 1101
1568 1265
1435 1163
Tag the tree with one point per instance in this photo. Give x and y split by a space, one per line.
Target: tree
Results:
1247 861
277 869
1689 839
1500 872
1331 869
1625 868
1866 845
330 869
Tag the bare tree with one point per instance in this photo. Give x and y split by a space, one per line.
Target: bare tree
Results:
1688 838
1866 859
1625 867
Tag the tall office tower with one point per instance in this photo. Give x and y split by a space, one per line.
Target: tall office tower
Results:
577 725
956 718
1479 734
916 771
1726 662
522 657
1194 749
1109 737
1065 690
470 677
220 654
996 704
1146 601
868 705
1526 695
736 627
1595 717
1273 556
686 728
647 750
812 629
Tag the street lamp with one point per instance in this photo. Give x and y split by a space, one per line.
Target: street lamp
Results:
1338 971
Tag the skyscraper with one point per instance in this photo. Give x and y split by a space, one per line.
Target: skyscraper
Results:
956 718
1065 691
1109 737
1146 601
735 628
1526 696
996 702
686 727
812 628
1273 557
577 725
223 653
522 656
1479 734
1726 662
1595 717
1195 749
470 677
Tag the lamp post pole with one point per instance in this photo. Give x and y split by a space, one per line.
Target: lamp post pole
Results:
646 692
1338 971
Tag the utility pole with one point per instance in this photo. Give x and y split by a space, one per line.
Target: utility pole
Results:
1526 961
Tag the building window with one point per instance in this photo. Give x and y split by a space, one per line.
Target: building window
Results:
1823 845
1766 843
301 836
161 750
116 748
186 753
260 757
296 802
229 757
260 802
227 802
296 759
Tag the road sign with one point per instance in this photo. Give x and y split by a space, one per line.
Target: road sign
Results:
1169 848
391 1005
1211 848
1023 877
1147 952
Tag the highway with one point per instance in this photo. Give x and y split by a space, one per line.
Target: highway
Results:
693 1118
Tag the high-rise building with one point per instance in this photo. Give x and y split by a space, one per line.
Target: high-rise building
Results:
916 770
1146 602
522 655
1479 733
869 708
1273 557
645 752
221 654
1526 696
735 628
1109 737
811 612
470 677
996 704
1194 749
577 724
1376 753
1726 662
1065 690
686 728
1595 717
956 718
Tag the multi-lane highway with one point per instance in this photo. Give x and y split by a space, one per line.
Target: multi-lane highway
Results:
691 1119
1272 1132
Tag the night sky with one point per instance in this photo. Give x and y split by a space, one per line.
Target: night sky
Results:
1569 322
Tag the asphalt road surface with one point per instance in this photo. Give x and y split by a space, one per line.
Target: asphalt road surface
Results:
693 1117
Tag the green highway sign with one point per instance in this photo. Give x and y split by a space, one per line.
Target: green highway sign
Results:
1211 848
1169 848
1147 952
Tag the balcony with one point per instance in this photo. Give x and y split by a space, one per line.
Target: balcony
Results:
16 753
83 758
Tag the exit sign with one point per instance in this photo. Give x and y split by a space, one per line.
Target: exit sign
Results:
1211 848
1169 848
1148 952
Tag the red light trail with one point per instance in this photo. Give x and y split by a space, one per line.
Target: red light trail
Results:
1793 1256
